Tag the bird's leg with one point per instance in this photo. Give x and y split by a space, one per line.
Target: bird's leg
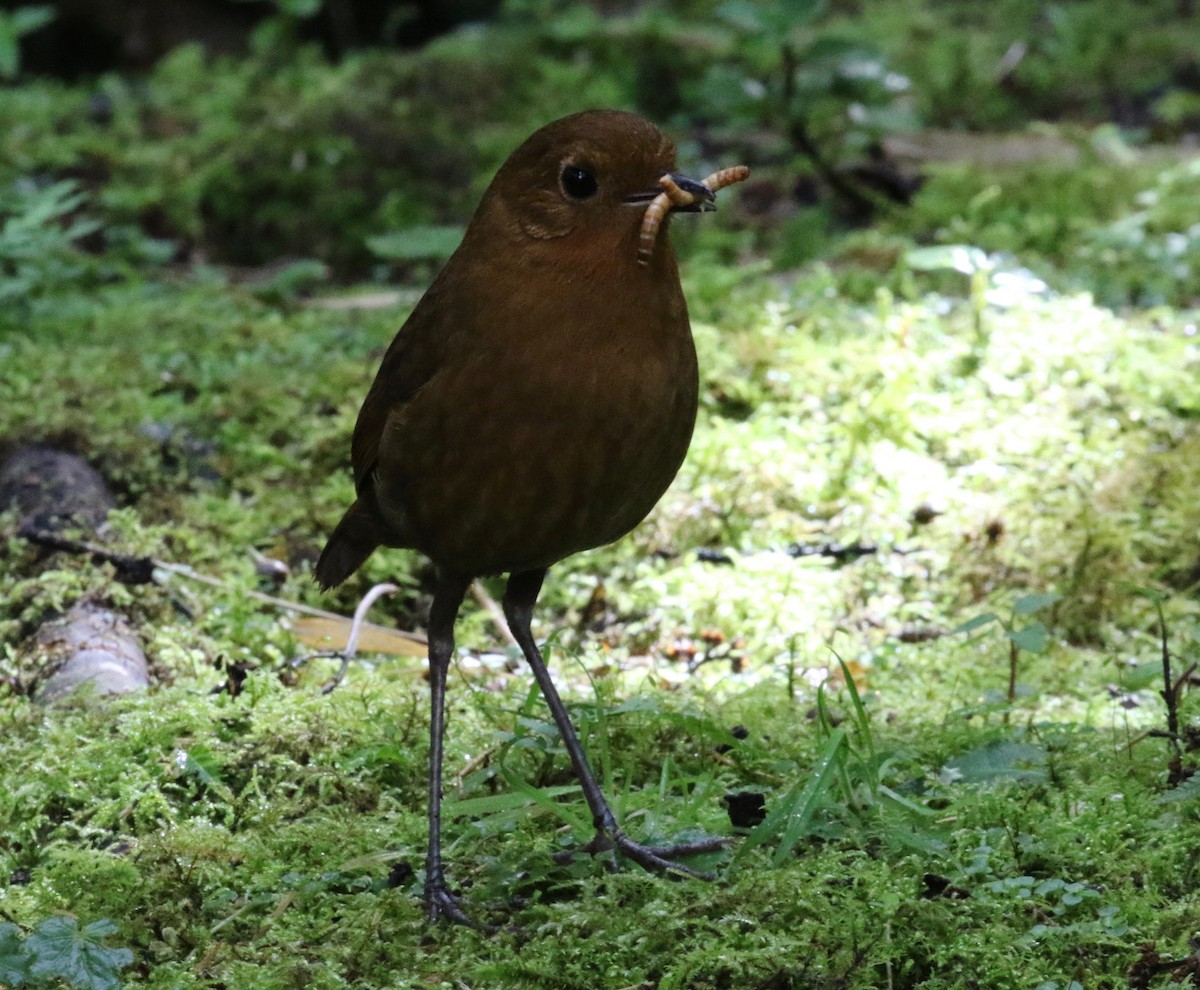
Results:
519 599
446 599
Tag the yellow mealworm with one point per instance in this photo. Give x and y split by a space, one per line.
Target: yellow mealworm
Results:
727 177
673 196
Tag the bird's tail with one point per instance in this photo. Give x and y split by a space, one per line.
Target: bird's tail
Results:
352 542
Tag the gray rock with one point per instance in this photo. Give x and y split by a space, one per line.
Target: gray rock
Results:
96 654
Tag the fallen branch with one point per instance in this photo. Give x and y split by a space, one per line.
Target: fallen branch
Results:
141 570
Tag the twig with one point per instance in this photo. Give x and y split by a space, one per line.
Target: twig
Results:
351 648
1012 674
801 139
480 759
494 611
140 570
130 570
1170 695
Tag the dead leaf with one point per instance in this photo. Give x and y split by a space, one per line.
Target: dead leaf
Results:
331 634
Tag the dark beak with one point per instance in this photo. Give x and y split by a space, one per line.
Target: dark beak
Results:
704 195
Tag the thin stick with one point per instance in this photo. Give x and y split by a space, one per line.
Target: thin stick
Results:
351 650
360 613
494 611
140 571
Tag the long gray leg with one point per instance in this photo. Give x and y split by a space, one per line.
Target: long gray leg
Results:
447 597
519 599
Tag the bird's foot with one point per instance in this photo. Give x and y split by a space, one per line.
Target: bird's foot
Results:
441 904
661 858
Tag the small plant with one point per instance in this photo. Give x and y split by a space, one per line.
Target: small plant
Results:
39 225
966 260
850 777
1031 636
1156 245
58 949
832 97
1171 694
14 25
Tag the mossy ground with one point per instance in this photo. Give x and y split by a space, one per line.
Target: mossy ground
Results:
248 841
981 424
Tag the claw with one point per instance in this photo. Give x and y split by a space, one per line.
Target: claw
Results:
661 858
440 903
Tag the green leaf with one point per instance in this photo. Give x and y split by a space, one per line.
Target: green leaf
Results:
543 799
1142 675
295 278
1189 790
862 723
496 803
803 811
416 243
25 20
1028 604
799 806
59 949
999 759
10 56
1032 638
802 11
13 26
834 51
972 624
14 963
302 9
948 257
205 766
741 14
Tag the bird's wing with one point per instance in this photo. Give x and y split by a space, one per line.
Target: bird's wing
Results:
412 360
417 354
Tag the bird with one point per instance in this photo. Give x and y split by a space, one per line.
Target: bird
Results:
537 402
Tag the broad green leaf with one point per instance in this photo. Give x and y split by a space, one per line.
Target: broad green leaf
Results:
831 49
1032 638
416 243
741 14
948 257
1142 675
1028 604
59 949
1189 790
296 277
798 12
302 9
999 759
495 803
972 624
25 20
14 962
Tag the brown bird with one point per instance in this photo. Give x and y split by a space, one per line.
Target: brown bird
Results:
538 402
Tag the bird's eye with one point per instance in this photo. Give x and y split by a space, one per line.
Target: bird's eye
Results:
578 183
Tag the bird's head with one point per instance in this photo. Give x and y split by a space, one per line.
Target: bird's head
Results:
581 186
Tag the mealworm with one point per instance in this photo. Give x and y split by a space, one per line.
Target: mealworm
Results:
673 196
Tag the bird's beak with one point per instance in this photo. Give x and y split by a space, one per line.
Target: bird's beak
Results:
702 204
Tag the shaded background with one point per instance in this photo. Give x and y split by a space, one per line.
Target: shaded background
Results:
242 133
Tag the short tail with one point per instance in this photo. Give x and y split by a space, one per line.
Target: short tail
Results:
352 542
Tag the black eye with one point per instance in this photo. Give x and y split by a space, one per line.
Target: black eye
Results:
578 183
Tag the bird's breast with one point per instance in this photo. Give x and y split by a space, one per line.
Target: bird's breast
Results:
529 446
